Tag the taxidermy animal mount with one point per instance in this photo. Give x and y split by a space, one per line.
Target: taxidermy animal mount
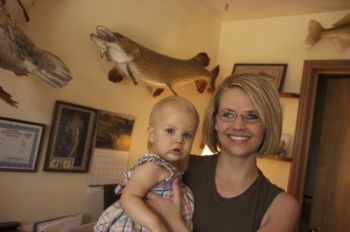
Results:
340 33
152 69
20 55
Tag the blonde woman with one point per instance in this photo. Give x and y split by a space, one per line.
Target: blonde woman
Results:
243 121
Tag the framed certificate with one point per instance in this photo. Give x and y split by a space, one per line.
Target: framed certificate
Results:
20 144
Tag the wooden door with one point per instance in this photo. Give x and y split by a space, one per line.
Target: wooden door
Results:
323 141
330 206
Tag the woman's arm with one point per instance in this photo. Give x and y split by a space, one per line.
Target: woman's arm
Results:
142 180
169 210
282 215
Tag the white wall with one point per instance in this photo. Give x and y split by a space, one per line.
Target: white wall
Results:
179 29
176 28
277 40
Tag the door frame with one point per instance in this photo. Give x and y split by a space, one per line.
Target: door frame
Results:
302 138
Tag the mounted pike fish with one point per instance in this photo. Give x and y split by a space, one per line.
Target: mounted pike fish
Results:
340 33
152 69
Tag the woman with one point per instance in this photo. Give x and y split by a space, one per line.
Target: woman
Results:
243 121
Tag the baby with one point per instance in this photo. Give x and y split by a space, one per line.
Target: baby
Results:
172 126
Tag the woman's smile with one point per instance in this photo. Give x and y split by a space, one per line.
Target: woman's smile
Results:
238 138
237 132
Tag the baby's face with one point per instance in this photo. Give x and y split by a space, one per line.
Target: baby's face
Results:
173 133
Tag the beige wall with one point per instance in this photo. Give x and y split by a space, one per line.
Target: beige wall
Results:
277 40
176 28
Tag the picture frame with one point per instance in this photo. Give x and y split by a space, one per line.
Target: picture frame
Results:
111 154
71 138
284 151
285 146
114 131
274 72
20 144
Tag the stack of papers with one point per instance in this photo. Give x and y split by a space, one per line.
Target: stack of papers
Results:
59 224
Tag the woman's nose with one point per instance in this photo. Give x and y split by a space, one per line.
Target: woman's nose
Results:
239 123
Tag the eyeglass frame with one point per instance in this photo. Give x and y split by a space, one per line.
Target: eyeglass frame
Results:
246 117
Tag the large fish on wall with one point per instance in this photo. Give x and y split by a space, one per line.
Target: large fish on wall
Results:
152 69
20 55
340 33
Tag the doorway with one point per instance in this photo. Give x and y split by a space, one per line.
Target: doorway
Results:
320 179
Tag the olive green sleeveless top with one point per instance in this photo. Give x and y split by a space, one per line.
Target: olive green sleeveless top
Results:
214 213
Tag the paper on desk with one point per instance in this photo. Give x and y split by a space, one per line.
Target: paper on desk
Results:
60 224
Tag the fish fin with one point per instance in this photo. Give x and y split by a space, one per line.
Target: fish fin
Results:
343 21
154 91
24 11
202 59
115 75
214 75
200 85
51 70
171 89
157 92
131 75
314 33
7 97
341 44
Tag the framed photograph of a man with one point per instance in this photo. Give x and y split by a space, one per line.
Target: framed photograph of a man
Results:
71 138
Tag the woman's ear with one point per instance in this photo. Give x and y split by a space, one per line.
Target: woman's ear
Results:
150 132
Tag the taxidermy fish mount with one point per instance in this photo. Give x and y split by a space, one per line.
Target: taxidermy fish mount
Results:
20 55
340 33
152 69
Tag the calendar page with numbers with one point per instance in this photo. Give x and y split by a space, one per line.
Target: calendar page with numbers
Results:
108 167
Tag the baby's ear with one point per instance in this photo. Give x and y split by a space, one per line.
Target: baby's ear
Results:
150 132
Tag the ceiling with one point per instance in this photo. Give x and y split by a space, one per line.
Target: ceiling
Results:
236 9
253 9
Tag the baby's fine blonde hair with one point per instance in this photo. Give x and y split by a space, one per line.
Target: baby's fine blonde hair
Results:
176 101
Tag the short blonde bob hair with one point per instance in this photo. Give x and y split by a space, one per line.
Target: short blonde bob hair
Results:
265 98
177 101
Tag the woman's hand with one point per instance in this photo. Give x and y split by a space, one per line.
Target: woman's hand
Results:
169 210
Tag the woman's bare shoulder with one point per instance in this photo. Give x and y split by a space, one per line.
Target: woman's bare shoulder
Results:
282 215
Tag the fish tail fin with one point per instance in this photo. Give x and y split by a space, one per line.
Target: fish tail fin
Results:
54 72
214 75
314 33
202 59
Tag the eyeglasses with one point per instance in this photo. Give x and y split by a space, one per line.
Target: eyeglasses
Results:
227 115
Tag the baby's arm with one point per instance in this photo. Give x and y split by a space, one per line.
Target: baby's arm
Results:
142 180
